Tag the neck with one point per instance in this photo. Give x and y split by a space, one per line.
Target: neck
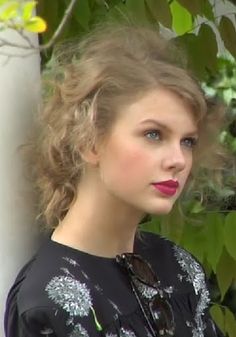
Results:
99 224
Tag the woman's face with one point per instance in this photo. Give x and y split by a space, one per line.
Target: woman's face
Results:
148 155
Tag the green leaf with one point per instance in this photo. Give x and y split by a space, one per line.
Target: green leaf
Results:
214 238
193 6
193 240
137 9
207 10
10 11
172 225
218 316
190 43
99 13
198 7
196 48
228 34
182 19
82 13
35 25
161 11
225 272
230 234
230 323
132 11
208 38
27 10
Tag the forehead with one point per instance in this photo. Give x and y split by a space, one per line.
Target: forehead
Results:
161 105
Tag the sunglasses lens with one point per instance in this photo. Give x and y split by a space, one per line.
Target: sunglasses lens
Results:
160 311
143 271
162 316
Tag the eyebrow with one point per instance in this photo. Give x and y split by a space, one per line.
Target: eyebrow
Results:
165 127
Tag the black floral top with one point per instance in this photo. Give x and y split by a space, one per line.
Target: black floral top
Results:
63 292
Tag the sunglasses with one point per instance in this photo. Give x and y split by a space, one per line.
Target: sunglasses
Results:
156 310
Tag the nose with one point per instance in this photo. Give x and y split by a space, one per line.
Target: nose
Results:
175 158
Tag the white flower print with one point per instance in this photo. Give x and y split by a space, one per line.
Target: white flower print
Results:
70 294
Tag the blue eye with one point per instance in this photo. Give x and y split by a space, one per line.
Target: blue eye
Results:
153 135
189 142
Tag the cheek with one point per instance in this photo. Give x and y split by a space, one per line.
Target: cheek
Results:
130 164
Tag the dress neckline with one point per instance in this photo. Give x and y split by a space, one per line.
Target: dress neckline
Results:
87 255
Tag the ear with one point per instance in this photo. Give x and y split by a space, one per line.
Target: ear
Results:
91 155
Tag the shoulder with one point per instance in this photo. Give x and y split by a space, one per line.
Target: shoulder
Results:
47 293
172 262
31 287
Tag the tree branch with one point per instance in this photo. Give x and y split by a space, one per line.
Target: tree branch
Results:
50 43
61 26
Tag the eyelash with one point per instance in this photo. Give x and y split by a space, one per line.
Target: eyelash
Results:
192 140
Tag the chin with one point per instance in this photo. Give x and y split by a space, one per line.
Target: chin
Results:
162 208
162 211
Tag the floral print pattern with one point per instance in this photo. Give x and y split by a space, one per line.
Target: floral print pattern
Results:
195 275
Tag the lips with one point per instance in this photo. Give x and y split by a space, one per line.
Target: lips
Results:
168 187
168 183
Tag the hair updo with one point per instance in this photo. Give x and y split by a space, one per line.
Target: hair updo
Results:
91 80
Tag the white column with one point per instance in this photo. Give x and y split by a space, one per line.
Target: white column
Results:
19 97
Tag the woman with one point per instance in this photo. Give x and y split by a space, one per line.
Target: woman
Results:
119 138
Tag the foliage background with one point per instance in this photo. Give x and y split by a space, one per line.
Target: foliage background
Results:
209 39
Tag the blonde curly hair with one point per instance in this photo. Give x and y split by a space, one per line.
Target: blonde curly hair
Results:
92 79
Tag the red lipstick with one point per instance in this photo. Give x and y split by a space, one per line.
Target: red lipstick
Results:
168 187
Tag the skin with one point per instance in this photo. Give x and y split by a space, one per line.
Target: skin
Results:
116 190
